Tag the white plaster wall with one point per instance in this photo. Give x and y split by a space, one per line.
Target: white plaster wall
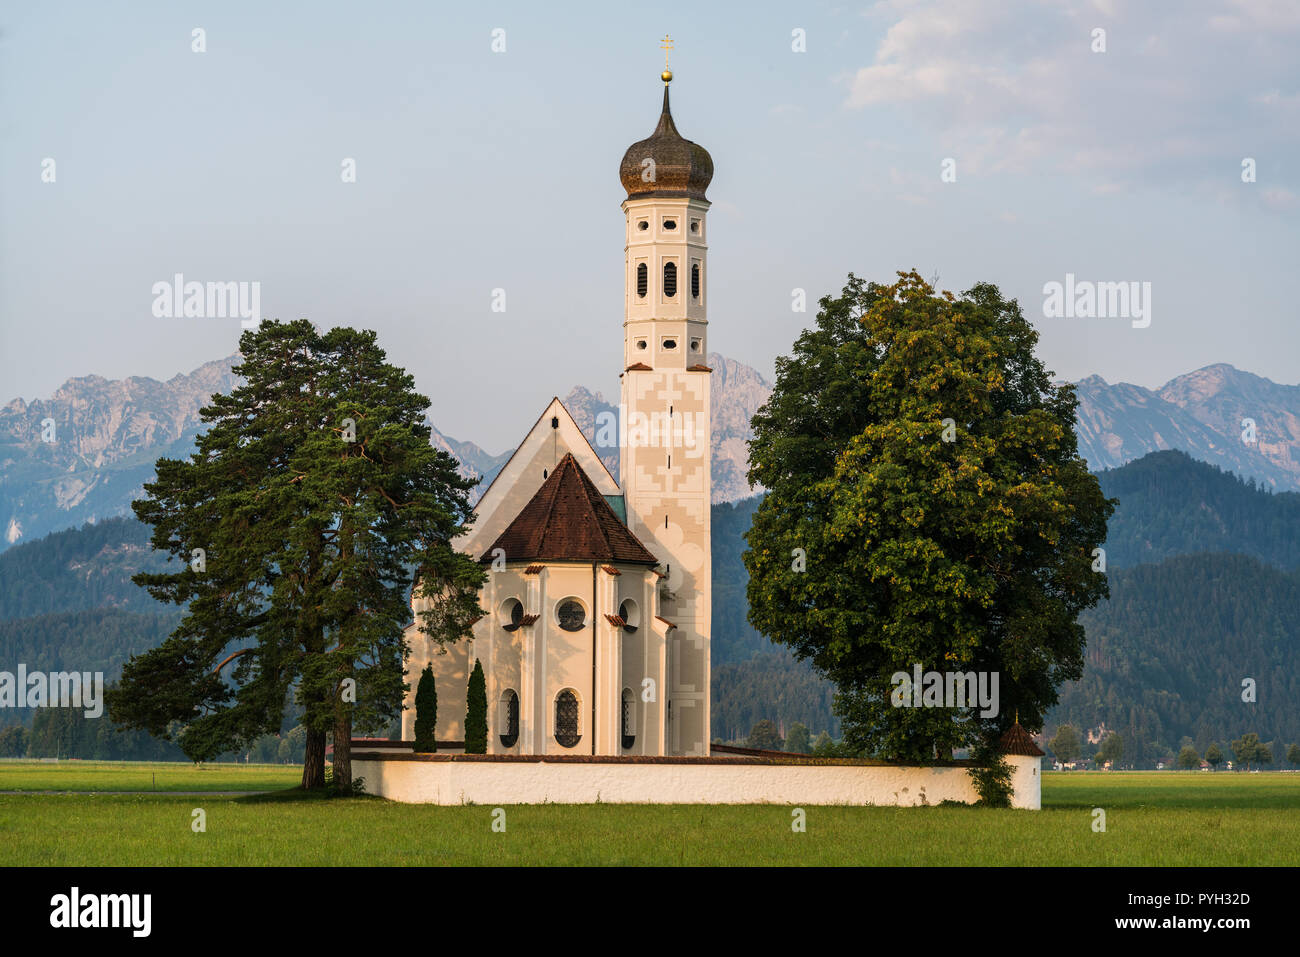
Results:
495 783
1027 781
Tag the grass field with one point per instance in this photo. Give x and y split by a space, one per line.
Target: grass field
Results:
1158 818
144 776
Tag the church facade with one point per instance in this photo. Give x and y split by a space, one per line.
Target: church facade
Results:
595 639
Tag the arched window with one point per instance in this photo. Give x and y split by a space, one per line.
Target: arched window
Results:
630 614
670 280
629 718
642 279
695 280
566 719
509 718
512 614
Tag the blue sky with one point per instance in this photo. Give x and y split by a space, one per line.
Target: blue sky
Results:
479 170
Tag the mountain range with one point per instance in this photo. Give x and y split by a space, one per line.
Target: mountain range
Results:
108 433
1204 573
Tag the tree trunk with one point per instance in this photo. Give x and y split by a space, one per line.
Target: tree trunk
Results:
342 748
313 762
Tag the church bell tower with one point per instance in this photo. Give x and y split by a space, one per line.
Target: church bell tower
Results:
665 435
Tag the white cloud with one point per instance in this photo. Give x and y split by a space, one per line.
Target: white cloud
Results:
1015 86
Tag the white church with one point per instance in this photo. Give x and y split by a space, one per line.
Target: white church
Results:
596 637
595 641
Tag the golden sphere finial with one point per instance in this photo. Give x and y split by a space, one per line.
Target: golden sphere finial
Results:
667 44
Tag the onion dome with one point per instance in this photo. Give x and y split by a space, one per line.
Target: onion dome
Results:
678 167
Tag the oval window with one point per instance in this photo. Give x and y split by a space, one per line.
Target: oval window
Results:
571 615
670 224
670 343
566 719
670 280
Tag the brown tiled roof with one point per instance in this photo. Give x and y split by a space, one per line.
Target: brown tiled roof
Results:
698 368
569 520
638 367
1016 740
616 620
534 569
610 569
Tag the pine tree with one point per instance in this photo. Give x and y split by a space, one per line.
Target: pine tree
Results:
312 508
426 712
476 712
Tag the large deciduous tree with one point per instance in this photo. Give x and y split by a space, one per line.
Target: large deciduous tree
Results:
926 504
311 508
1065 744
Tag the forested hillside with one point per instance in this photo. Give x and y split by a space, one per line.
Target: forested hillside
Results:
80 568
1159 652
67 603
1168 653
1170 504
1203 571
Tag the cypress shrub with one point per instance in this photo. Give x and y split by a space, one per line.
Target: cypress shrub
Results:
476 712
426 712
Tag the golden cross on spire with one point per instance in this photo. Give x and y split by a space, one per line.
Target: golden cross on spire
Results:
667 45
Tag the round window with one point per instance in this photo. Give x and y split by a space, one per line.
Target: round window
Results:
641 344
643 225
571 615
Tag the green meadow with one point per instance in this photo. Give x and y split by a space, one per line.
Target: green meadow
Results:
1156 818
104 776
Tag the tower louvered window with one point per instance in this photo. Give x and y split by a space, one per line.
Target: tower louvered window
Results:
695 281
642 279
670 280
566 719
